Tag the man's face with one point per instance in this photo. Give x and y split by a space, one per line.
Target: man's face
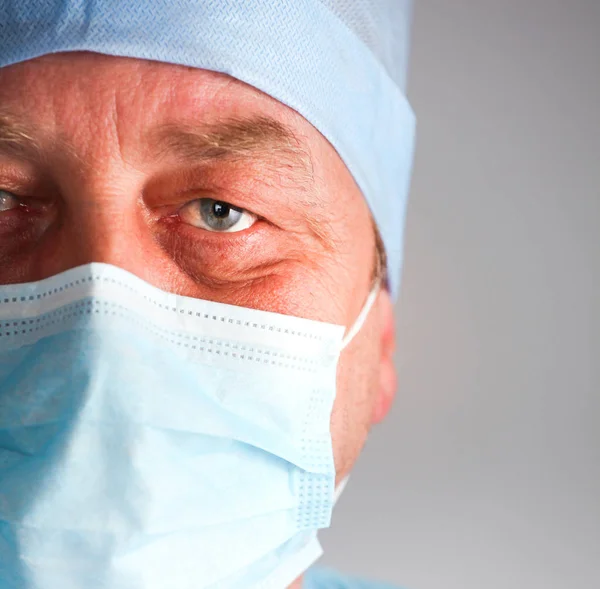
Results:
134 163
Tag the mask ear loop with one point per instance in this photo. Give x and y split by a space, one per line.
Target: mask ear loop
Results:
340 489
360 320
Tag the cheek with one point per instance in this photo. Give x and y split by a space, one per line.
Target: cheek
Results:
357 388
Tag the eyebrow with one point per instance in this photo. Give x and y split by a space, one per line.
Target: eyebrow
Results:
15 137
258 137
18 139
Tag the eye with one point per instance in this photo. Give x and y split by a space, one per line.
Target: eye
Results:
216 215
8 201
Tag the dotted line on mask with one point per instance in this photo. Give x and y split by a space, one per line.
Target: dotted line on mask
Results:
315 493
12 329
206 316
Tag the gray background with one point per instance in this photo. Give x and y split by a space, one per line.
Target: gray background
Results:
487 474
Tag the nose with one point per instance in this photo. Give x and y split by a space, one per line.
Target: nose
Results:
106 222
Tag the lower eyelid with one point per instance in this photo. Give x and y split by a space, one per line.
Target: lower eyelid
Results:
176 223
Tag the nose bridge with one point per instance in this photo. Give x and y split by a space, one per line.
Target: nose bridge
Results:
104 219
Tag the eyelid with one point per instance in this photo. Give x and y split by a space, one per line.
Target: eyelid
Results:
8 192
188 197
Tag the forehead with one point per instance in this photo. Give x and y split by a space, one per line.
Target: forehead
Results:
69 91
91 116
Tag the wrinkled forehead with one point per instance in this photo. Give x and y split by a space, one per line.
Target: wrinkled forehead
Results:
58 95
86 74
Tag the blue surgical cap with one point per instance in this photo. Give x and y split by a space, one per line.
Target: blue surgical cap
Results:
340 63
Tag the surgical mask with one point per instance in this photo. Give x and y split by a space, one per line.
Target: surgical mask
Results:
153 441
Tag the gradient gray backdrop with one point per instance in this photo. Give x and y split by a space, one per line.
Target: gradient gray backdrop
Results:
487 474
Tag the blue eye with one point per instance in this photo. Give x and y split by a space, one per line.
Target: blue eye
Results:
216 215
8 201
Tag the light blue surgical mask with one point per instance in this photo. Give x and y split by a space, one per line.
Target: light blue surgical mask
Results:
153 441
